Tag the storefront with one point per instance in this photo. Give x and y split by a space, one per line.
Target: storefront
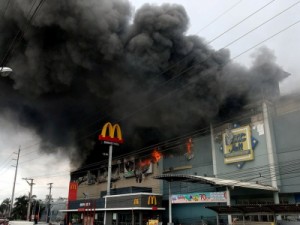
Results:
194 206
133 208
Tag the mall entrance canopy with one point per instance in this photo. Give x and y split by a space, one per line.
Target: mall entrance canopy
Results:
210 181
213 181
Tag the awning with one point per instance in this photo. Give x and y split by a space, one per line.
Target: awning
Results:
213 181
272 209
114 209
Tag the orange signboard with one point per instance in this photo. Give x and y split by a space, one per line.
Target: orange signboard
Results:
73 186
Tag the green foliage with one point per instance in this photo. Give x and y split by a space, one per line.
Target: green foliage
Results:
19 211
4 207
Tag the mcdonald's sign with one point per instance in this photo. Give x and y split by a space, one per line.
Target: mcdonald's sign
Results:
111 133
152 200
73 186
136 201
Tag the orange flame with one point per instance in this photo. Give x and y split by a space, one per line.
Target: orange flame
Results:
143 163
189 145
156 156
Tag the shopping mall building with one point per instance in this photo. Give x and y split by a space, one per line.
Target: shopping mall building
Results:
252 158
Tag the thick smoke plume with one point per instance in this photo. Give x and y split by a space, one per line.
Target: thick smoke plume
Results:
81 63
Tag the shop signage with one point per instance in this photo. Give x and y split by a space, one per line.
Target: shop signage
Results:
111 133
202 197
73 186
237 145
152 222
152 200
136 201
82 204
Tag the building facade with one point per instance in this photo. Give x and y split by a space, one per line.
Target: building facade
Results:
260 145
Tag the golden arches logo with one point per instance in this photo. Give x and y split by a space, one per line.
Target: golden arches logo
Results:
111 133
136 201
73 186
152 200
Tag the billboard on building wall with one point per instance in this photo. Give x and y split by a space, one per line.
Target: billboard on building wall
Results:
202 197
237 145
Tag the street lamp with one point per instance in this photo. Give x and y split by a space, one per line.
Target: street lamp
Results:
5 71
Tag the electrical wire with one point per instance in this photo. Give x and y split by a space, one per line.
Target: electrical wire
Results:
243 20
19 36
269 38
218 17
265 22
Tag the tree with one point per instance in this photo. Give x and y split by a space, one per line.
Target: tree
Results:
20 208
4 207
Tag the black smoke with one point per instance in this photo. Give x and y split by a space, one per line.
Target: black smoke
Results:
79 64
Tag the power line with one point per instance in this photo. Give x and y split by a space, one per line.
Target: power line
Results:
243 20
5 162
265 22
19 36
218 17
269 38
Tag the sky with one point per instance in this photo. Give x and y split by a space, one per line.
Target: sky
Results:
209 20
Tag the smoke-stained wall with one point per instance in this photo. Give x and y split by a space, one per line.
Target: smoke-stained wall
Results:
192 156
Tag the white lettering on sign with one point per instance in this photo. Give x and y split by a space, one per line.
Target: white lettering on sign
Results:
84 204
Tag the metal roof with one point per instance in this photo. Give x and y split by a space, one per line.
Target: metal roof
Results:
213 181
256 209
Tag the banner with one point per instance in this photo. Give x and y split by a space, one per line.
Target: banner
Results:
73 186
203 197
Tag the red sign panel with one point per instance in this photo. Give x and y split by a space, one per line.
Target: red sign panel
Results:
73 191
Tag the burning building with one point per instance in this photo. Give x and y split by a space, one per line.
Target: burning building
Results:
249 159
78 64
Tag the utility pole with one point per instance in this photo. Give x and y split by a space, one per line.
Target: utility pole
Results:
49 208
30 195
14 185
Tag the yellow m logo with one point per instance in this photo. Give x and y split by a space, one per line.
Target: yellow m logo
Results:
136 201
73 186
111 133
152 200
